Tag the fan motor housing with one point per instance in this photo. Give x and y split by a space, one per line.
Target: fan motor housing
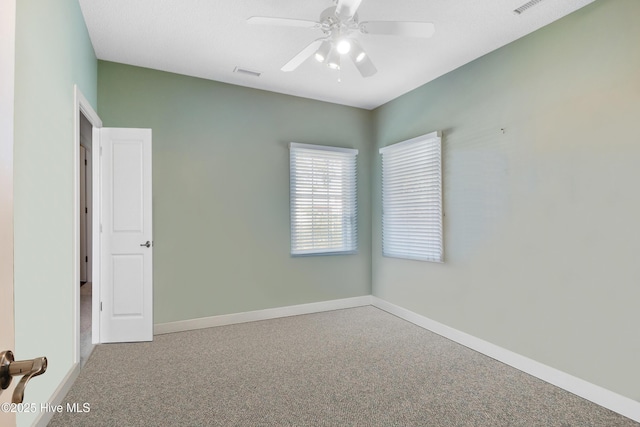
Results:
330 22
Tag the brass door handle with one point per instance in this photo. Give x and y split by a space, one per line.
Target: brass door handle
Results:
28 369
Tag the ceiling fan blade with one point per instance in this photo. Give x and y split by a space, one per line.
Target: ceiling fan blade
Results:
346 9
283 22
361 60
405 29
304 54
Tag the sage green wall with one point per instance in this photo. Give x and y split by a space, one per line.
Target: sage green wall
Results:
53 52
541 222
221 191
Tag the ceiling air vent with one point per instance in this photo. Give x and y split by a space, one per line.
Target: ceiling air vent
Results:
526 6
246 72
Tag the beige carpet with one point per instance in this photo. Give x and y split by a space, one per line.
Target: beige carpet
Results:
355 367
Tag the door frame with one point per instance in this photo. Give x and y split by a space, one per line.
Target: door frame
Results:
82 105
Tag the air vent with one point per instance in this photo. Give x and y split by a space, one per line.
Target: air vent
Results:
246 72
526 6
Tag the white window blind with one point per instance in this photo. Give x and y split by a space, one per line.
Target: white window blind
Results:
412 199
323 199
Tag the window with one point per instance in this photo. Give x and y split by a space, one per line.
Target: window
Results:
412 199
323 199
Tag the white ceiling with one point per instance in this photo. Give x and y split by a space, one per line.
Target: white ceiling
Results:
209 38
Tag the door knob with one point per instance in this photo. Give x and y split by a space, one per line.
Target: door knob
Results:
28 369
148 244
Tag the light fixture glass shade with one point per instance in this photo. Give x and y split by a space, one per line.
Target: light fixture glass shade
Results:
357 52
334 59
361 60
323 51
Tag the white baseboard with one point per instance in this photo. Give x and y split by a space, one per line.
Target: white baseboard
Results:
252 316
58 395
596 394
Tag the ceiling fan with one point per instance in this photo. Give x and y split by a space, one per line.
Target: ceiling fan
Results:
342 29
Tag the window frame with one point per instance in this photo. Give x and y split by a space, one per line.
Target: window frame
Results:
349 221
404 241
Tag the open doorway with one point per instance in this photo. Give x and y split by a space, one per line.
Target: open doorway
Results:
86 224
124 318
85 234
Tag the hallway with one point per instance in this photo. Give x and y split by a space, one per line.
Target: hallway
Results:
85 323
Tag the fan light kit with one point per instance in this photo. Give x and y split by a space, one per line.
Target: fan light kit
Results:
342 29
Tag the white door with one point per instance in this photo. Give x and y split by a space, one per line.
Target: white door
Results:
126 289
7 69
7 330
